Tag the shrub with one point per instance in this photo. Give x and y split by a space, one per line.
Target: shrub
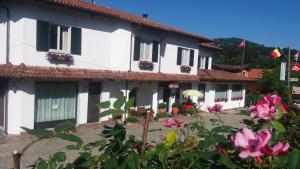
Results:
162 106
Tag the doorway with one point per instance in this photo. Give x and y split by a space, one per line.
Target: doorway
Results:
94 98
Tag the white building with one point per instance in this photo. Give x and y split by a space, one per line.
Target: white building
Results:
59 58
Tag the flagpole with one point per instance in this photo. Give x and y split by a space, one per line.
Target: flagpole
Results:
243 56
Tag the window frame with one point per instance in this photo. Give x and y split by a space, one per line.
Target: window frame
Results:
143 43
217 87
68 50
188 56
240 90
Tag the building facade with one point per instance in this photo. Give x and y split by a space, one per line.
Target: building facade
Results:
59 58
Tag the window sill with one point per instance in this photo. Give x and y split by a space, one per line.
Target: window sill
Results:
185 69
146 65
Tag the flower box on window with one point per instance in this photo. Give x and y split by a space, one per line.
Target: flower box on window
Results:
221 99
237 98
145 65
57 56
185 69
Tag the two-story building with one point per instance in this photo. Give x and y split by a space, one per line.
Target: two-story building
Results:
58 58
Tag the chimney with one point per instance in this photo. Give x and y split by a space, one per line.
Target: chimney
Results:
145 15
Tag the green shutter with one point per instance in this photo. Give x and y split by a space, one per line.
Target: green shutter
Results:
137 46
191 58
42 36
155 51
179 55
76 41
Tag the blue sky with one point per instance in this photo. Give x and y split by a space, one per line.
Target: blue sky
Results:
268 22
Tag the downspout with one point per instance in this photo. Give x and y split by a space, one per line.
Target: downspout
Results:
130 55
7 62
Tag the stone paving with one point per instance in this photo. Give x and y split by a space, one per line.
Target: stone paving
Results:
46 147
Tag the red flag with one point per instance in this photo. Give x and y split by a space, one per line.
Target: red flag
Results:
242 44
296 68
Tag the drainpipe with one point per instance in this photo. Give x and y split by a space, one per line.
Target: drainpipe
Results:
7 62
130 55
7 32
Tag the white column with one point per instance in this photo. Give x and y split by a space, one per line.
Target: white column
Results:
210 96
82 102
229 92
20 105
209 62
171 99
244 96
105 96
155 98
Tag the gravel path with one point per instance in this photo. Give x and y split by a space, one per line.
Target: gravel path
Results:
46 147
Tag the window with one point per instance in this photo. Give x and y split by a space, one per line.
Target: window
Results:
58 37
206 62
185 57
146 50
221 91
201 62
202 90
237 91
54 102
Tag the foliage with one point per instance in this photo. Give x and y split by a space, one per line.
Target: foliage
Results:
176 104
162 106
270 141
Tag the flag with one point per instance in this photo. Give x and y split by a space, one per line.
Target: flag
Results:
296 68
296 56
276 53
242 44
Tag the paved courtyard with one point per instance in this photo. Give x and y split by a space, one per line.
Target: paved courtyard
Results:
46 147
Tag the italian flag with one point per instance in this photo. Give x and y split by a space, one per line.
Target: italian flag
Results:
276 53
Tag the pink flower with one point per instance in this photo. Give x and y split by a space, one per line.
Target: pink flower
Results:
278 149
210 109
265 108
251 144
178 123
171 122
168 123
216 108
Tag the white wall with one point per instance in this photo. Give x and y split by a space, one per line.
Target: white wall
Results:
3 36
230 104
169 48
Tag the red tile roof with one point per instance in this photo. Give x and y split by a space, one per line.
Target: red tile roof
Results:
101 10
221 76
210 46
23 71
256 73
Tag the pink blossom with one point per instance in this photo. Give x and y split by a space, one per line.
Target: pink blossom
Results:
168 123
215 108
172 122
278 149
251 144
265 108
178 123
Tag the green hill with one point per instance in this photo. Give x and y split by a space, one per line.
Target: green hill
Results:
256 55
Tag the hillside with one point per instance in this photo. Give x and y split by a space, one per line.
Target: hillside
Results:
256 55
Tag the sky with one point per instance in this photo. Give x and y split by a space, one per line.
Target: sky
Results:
268 22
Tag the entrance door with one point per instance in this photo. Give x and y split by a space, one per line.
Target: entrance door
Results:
55 103
2 113
94 98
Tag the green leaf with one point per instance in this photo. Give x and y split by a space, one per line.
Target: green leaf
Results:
129 104
108 112
133 161
132 119
41 133
72 138
163 155
190 143
244 112
279 113
59 157
227 162
64 127
152 152
294 159
103 105
278 126
41 164
119 102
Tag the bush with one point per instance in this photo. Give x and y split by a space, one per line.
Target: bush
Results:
162 106
176 104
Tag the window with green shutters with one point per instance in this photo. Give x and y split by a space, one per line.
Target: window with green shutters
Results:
55 102
237 91
185 56
58 38
145 50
